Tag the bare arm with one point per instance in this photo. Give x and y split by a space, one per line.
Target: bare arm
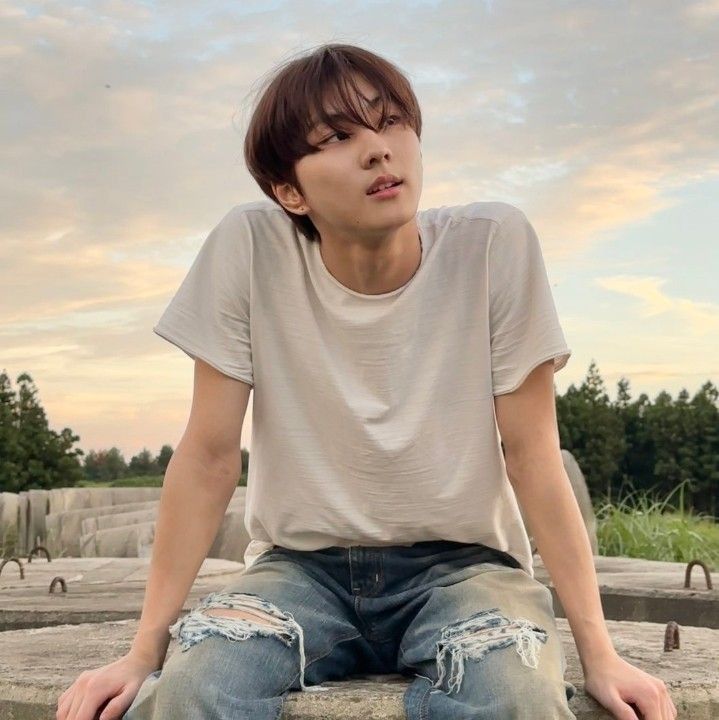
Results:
199 482
527 422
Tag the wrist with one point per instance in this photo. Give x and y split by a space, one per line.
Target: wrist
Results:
151 646
597 656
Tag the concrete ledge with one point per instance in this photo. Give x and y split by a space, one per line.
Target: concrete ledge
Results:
98 590
37 665
648 591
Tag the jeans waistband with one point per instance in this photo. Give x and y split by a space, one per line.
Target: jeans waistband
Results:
415 550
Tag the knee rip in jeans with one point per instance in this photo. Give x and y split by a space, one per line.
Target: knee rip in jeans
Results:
269 621
478 635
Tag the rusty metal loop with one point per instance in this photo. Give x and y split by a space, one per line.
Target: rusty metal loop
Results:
62 582
688 574
38 549
671 636
13 559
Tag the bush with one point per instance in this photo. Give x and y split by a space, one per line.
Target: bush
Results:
639 526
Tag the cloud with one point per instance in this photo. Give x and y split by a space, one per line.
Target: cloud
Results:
702 11
123 123
699 318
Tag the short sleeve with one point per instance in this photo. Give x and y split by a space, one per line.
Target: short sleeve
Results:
524 326
209 316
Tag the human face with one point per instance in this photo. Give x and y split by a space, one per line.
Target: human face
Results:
335 179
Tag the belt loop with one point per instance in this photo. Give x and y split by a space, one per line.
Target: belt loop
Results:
354 589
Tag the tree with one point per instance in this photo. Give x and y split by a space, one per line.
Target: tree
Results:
637 463
655 447
144 464
592 431
163 459
10 451
105 465
32 456
663 428
706 446
623 395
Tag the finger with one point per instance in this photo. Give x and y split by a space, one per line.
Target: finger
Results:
75 703
665 714
665 704
80 689
89 706
65 694
671 710
83 706
624 710
65 699
651 706
117 706
63 703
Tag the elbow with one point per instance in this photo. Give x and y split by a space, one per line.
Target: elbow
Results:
224 468
534 462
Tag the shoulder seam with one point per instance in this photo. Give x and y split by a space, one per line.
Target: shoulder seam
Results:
497 223
500 224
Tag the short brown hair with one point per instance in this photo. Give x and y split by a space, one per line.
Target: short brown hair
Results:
292 102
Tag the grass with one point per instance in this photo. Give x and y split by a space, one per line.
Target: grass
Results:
134 481
8 541
641 526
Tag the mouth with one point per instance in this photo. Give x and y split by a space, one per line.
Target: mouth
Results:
387 192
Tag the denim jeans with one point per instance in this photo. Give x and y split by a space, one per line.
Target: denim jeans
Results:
471 629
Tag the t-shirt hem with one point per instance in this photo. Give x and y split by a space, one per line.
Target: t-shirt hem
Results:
560 356
194 353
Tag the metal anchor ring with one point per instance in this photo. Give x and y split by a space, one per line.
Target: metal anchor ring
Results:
39 549
671 636
688 573
13 559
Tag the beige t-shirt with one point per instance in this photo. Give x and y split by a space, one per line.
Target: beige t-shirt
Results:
373 415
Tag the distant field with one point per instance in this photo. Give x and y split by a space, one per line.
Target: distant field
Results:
137 481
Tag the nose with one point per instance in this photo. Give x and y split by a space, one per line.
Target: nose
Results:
377 147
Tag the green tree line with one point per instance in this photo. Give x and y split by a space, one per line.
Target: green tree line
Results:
650 446
644 444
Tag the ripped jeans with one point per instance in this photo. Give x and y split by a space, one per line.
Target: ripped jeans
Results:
471 629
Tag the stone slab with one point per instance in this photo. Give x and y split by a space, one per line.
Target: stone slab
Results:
98 589
89 571
637 573
648 590
113 588
37 665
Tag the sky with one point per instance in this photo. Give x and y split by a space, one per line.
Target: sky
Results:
121 145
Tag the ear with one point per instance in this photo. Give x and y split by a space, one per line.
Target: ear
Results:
290 198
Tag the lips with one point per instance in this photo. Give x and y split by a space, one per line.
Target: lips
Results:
383 180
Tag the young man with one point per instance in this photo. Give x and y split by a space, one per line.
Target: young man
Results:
389 350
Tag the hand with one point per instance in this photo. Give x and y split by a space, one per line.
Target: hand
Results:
618 686
109 690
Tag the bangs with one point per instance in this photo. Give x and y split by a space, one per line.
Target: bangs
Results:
349 107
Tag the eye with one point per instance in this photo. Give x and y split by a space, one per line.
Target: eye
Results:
327 139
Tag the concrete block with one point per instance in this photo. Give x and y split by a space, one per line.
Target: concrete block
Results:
37 665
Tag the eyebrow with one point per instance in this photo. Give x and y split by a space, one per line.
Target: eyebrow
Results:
337 116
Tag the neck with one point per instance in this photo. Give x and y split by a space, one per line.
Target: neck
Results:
377 269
